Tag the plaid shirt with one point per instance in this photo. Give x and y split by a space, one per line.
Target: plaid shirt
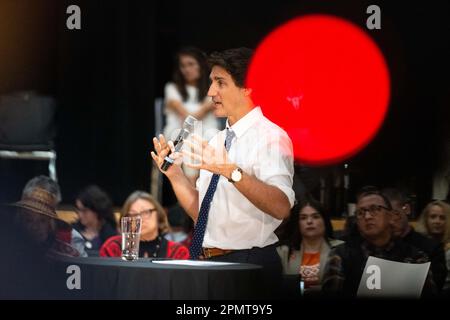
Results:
346 264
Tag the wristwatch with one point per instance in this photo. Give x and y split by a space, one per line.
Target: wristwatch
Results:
236 175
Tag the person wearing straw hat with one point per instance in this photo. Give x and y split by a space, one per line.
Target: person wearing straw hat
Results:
65 233
36 217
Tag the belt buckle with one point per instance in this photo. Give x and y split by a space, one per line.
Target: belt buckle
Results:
207 253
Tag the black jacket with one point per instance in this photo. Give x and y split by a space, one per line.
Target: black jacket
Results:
347 261
435 251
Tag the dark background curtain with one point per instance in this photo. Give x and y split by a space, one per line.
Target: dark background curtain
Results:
105 86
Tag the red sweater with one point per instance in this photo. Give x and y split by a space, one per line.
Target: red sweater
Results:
113 248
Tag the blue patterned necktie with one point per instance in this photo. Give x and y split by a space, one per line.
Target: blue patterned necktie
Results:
199 230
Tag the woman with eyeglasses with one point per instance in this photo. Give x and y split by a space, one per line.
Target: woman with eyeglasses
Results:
153 228
96 221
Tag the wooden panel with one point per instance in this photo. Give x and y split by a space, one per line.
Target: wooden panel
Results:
71 216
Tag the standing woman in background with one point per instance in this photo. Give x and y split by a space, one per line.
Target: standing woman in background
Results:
187 95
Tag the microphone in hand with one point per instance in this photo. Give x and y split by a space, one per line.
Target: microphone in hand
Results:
188 128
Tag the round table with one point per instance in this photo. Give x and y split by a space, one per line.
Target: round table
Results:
114 278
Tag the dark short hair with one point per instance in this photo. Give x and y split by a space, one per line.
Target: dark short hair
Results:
234 61
96 199
372 190
394 194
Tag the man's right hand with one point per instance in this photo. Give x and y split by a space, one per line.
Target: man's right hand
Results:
162 149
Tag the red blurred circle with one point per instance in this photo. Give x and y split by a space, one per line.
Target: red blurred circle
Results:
325 82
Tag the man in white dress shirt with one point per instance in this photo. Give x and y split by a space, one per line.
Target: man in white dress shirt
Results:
244 190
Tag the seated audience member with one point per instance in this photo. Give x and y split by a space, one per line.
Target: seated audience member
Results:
310 232
37 220
26 269
346 262
402 229
96 218
64 231
154 226
434 222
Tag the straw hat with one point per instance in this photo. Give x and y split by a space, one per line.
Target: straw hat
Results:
41 201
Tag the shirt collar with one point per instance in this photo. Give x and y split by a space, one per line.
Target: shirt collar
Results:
245 122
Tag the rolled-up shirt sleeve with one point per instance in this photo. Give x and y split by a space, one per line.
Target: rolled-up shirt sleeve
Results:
275 165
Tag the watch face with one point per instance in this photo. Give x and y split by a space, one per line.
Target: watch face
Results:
236 175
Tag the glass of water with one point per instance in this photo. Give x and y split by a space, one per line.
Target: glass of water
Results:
131 232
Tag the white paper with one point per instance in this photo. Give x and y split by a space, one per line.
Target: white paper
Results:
390 279
195 263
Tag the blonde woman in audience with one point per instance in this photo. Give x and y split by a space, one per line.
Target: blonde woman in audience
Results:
434 222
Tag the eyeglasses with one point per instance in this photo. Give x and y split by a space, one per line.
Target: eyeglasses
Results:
373 210
81 210
143 213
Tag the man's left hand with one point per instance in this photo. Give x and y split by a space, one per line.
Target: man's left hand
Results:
198 154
